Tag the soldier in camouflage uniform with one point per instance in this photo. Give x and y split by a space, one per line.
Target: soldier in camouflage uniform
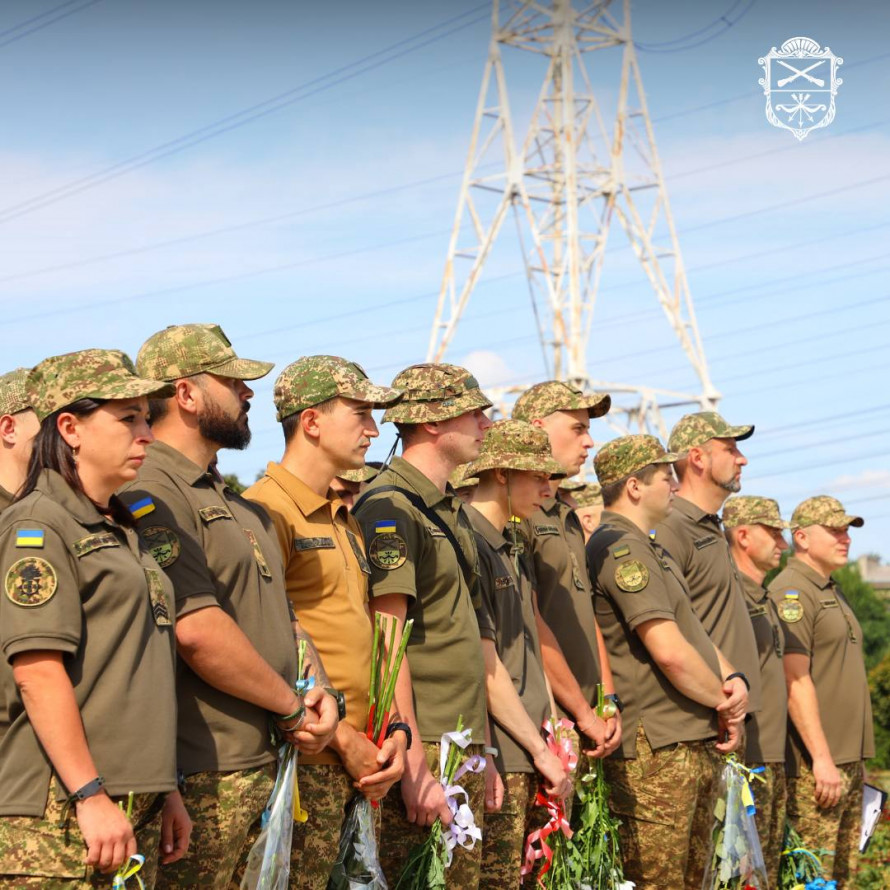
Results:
754 529
666 670
18 426
349 484
462 484
324 404
514 470
831 732
588 508
87 674
234 626
424 566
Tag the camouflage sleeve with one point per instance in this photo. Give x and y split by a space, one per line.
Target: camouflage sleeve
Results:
633 579
41 606
170 532
485 610
797 614
395 544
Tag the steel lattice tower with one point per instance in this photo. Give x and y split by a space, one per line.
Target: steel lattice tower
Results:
565 186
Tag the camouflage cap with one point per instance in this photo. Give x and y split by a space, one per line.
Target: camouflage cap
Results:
14 391
572 485
187 349
823 510
365 474
591 495
314 379
752 510
693 430
629 454
516 445
433 393
458 480
89 374
555 395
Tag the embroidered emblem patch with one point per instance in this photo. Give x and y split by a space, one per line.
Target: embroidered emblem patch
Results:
620 551
95 542
503 582
29 537
359 552
163 544
142 508
701 543
208 514
631 576
258 554
546 529
301 544
791 608
388 552
30 582
160 608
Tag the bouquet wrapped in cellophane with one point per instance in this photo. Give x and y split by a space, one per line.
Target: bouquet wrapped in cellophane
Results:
357 864
426 866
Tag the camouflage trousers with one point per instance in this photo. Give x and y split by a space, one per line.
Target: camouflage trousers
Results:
399 837
224 808
503 840
36 854
834 830
664 798
324 792
770 798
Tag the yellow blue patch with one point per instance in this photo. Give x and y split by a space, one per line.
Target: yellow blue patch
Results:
385 527
142 508
29 537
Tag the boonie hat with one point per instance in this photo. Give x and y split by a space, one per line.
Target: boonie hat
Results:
555 395
365 474
591 495
752 510
693 430
433 393
516 445
89 374
187 349
572 485
14 391
626 455
823 510
314 379
457 479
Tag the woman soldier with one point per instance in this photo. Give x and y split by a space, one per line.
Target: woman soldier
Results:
87 641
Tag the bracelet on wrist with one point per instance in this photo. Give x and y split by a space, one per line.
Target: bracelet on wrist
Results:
91 789
741 677
395 727
491 750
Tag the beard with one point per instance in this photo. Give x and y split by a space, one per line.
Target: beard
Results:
228 432
732 485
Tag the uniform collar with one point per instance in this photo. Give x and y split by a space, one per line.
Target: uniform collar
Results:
694 512
496 539
51 484
754 591
306 500
176 462
810 574
415 479
610 517
552 504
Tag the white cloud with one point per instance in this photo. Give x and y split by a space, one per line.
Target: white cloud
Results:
489 368
876 480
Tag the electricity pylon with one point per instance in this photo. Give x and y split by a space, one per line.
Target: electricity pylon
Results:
564 186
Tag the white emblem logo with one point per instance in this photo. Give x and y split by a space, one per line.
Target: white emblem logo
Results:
800 85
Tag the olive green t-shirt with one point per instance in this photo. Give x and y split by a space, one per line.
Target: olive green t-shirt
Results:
696 542
635 581
5 500
409 555
766 731
565 596
220 552
819 623
76 582
506 616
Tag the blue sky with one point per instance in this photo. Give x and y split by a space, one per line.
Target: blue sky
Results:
322 225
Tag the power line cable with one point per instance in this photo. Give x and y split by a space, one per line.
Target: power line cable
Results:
727 23
43 24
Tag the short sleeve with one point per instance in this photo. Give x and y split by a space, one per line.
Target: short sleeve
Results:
169 531
395 543
40 607
634 580
797 616
485 610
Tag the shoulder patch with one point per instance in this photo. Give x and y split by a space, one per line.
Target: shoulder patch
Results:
160 608
791 608
29 537
620 551
388 551
701 543
543 529
632 576
142 508
95 542
301 544
385 527
163 544
208 514
31 582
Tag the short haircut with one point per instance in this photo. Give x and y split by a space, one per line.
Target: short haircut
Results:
406 432
291 423
611 491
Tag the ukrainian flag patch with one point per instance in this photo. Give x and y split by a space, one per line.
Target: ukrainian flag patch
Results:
142 508
385 527
29 537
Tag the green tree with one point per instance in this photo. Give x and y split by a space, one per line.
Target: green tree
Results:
871 611
234 483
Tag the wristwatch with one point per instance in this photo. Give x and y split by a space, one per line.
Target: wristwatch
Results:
395 727
340 698
742 677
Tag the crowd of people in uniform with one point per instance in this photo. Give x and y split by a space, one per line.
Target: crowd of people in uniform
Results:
150 618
